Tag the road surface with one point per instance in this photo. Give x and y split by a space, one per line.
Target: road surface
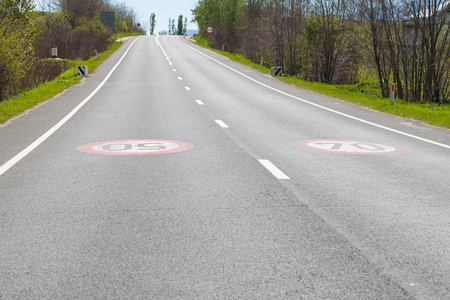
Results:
173 172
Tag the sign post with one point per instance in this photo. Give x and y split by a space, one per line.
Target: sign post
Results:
209 30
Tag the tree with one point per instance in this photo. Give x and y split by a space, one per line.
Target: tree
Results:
16 37
332 25
254 34
180 26
225 16
427 38
185 25
172 28
409 42
77 10
152 23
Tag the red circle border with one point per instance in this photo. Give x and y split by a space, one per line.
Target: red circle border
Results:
398 149
87 148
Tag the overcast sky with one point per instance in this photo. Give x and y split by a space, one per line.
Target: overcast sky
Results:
163 9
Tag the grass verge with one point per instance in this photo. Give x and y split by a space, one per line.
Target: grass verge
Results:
28 99
427 113
124 34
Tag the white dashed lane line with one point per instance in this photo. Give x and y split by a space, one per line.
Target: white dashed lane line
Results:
222 124
266 163
321 106
273 169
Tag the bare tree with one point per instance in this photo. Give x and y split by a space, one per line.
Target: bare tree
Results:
372 38
78 9
253 35
333 26
428 37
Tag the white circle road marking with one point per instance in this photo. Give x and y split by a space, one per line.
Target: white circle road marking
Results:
352 147
135 147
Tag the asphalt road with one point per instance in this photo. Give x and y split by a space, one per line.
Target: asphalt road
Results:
173 172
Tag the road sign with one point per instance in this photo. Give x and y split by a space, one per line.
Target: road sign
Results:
82 71
135 147
352 147
209 29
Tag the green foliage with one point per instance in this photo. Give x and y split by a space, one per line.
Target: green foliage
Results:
17 29
365 93
180 27
433 115
224 16
47 22
27 36
30 98
94 26
152 23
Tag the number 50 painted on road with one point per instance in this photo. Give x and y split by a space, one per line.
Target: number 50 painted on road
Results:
135 147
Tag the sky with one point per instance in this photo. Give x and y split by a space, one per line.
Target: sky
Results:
163 9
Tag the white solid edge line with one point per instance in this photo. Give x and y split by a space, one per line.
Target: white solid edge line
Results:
46 135
222 124
273 169
322 107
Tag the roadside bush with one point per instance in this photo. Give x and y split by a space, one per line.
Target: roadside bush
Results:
16 51
72 44
42 71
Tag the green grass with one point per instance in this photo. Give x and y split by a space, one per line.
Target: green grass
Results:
433 115
235 57
366 95
30 98
124 34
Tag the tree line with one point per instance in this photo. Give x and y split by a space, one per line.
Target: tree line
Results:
179 29
27 34
405 42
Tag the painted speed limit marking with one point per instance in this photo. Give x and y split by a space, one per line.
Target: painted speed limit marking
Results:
135 147
352 147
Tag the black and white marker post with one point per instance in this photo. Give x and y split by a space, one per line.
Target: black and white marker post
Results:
82 71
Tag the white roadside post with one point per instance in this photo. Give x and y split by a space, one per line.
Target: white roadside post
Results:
392 93
54 52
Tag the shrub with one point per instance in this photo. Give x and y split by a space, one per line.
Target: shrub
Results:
42 71
72 44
